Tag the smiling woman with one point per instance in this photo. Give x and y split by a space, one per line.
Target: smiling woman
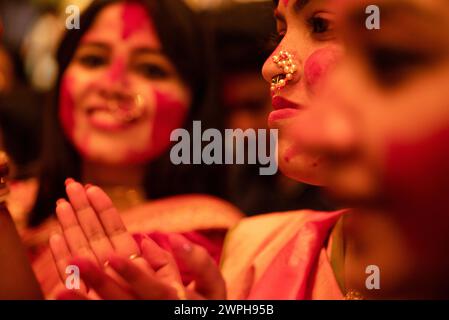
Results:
132 73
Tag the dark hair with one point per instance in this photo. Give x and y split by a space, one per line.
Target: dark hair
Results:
183 42
243 33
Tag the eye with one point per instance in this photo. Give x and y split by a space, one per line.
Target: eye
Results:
151 71
392 65
319 25
92 60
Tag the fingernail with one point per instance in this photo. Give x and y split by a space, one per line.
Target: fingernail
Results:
187 247
69 181
87 186
180 243
60 201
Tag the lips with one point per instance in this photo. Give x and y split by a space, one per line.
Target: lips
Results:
281 103
284 109
104 119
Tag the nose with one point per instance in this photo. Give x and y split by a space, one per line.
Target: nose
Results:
272 68
269 69
115 84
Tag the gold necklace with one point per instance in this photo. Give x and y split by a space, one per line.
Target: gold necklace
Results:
125 197
353 295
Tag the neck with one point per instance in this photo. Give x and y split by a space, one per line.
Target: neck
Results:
122 183
105 175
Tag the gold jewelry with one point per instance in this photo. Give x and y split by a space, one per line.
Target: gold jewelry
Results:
285 62
353 295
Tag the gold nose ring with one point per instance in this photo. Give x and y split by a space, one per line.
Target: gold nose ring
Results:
285 62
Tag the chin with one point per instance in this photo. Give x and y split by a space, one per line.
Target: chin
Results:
303 169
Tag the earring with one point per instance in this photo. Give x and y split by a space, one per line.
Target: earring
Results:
285 62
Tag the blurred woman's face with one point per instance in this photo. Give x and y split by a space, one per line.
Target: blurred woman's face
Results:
391 149
120 96
306 29
393 109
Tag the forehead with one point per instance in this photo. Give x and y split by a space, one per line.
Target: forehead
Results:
124 21
408 20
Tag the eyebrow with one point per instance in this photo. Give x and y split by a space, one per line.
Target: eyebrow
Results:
137 50
298 6
413 19
95 44
301 4
146 50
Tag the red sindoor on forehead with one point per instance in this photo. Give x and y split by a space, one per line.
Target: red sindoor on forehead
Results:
134 18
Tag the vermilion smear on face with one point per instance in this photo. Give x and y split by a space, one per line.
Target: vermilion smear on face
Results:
417 187
319 64
134 18
66 108
170 114
417 174
67 115
117 71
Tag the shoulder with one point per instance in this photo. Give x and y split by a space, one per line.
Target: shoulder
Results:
263 226
249 233
183 213
251 246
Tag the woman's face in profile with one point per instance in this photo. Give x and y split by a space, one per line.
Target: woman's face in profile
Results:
306 30
120 97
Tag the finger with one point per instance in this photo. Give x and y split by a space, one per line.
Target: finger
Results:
70 295
105 286
61 254
161 261
119 236
89 221
73 234
208 279
143 283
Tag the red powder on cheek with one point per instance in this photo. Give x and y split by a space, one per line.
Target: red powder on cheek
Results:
66 108
134 18
170 114
417 174
319 64
416 182
285 2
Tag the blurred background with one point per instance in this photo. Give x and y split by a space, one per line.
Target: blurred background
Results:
240 32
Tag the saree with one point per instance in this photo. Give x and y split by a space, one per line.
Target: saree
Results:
281 256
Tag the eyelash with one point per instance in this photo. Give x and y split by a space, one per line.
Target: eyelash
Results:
151 71
391 65
317 24
147 70
92 61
